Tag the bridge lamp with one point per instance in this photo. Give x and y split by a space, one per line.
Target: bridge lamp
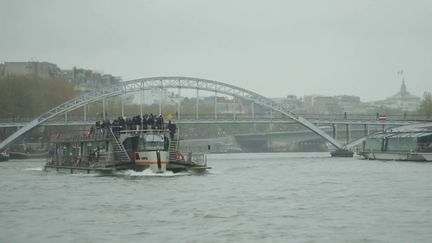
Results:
178 101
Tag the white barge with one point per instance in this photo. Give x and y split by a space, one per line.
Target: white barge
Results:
402 146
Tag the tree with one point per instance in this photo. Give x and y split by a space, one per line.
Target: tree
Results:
27 97
426 105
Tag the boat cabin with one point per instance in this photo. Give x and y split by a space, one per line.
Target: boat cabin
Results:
145 142
399 141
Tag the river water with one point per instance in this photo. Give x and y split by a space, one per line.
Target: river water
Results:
275 197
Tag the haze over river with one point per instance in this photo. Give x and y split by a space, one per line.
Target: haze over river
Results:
274 197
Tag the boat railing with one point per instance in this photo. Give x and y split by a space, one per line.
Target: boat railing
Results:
81 136
136 131
63 156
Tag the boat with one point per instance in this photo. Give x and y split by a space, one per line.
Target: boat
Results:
20 155
398 145
112 149
4 156
342 153
28 151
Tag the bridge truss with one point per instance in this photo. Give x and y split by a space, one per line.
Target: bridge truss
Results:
166 83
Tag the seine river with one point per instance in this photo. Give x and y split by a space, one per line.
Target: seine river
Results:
278 197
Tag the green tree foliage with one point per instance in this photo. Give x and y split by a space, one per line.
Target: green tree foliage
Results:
426 105
23 96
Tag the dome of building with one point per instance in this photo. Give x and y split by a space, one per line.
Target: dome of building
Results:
402 100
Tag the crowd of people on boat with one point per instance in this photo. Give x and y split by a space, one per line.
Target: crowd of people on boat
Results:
138 122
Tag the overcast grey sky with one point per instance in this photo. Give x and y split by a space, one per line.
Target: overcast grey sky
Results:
271 47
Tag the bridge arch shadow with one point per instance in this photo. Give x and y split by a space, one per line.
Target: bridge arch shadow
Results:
166 83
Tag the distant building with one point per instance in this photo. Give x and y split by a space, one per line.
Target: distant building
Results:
322 104
41 70
224 105
86 80
291 102
402 100
349 103
82 79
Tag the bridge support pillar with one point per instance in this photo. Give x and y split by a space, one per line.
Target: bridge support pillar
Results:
366 130
85 112
348 133
142 102
253 110
160 98
122 105
334 130
197 103
271 120
234 100
179 103
104 109
215 105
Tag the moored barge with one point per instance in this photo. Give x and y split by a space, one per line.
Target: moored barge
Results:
402 146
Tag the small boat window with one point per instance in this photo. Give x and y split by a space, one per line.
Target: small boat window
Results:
373 144
401 143
151 142
131 143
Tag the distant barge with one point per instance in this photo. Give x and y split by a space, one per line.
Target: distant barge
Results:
4 156
403 146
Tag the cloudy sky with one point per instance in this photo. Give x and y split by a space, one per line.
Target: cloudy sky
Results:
273 47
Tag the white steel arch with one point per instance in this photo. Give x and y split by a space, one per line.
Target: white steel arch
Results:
167 82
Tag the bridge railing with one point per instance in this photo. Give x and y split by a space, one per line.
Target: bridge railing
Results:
231 117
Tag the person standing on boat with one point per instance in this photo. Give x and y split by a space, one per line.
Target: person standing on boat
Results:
138 122
103 126
96 154
129 124
171 130
158 122
161 122
144 122
98 128
151 120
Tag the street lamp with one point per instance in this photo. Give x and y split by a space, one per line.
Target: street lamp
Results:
177 100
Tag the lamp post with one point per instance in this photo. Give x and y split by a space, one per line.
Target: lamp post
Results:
177 100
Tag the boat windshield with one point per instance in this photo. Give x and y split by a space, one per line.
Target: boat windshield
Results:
151 142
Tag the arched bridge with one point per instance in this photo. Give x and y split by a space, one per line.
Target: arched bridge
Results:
166 83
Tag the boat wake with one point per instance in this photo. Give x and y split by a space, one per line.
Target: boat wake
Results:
148 172
34 169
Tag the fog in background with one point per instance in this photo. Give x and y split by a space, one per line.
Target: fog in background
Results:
271 47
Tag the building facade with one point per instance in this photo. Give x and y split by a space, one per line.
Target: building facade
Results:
87 80
43 70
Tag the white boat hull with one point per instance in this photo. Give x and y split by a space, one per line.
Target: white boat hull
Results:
149 159
400 156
